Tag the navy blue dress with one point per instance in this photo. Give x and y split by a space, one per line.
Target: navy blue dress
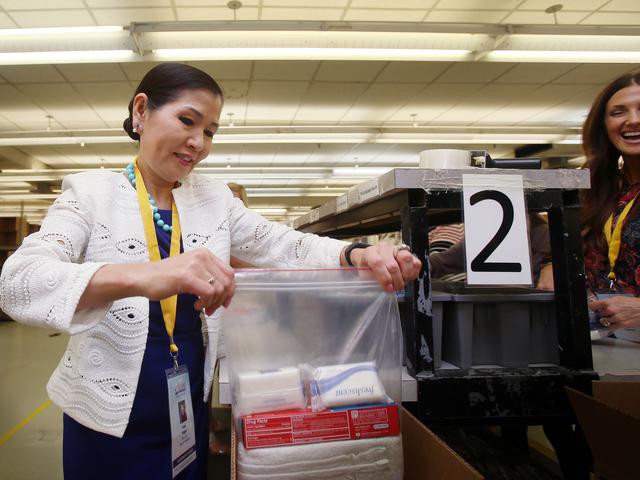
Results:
145 449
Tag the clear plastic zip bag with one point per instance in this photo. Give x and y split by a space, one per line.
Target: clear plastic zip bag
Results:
312 338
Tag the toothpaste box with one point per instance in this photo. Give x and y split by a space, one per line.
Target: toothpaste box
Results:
295 427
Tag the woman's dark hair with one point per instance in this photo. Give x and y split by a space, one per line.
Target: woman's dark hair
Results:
165 82
602 160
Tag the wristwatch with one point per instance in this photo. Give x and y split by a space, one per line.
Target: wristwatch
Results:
354 245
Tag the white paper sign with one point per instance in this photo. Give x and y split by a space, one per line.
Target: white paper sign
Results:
495 229
342 203
369 189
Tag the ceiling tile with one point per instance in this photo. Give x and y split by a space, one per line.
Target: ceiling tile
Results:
17 107
486 100
52 18
216 13
6 22
124 16
464 16
380 102
415 4
223 70
379 15
97 72
127 3
581 5
343 71
284 70
213 3
303 3
136 70
326 103
235 89
60 100
318 14
31 73
534 103
540 18
433 101
274 102
571 112
594 73
38 4
109 100
612 19
571 18
535 72
470 72
477 4
423 72
621 6
235 102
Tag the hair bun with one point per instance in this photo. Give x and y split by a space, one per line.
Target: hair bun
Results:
128 127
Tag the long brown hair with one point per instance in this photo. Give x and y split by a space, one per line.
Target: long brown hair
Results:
602 160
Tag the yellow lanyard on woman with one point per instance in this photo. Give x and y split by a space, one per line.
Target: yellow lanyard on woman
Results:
613 236
169 305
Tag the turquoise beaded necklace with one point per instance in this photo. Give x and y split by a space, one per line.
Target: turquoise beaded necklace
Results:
156 215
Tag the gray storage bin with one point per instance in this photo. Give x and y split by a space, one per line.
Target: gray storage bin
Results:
438 300
506 327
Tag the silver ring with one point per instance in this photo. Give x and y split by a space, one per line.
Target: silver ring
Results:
400 248
212 280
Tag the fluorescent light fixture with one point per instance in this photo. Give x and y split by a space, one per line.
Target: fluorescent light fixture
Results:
360 171
285 53
20 32
561 56
76 56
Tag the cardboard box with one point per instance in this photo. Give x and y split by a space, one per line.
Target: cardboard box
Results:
426 457
611 423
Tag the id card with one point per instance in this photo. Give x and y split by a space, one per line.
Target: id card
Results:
183 437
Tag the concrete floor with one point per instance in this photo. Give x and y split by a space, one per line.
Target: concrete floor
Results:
27 358
30 425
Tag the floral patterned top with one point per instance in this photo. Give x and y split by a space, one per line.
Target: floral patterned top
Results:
627 266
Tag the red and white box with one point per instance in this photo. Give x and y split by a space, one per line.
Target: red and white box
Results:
295 427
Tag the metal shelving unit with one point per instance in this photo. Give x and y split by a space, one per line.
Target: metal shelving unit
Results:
411 200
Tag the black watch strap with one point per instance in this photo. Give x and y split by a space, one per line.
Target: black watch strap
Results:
350 248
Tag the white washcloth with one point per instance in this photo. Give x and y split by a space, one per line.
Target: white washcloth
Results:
269 391
347 384
364 459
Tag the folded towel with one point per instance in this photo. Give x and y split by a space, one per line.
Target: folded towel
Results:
268 391
346 384
364 459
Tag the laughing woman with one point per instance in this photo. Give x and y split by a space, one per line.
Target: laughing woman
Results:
611 212
135 266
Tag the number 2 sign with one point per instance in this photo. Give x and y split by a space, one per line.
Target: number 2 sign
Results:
495 230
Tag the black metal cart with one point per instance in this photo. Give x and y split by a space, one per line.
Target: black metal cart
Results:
412 200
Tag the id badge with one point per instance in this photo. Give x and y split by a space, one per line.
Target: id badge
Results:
183 437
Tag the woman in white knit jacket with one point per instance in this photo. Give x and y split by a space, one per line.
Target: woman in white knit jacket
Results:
89 272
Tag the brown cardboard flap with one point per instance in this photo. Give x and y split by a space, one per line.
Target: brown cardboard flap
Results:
426 457
624 396
612 435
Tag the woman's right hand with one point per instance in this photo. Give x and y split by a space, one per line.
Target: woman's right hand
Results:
198 272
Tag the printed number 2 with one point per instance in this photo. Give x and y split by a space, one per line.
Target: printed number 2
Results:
479 263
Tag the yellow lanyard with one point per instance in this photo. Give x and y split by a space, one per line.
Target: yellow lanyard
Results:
169 305
613 236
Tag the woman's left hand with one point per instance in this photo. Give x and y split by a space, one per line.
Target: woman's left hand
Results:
618 311
391 266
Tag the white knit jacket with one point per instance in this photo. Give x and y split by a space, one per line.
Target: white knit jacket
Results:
96 220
